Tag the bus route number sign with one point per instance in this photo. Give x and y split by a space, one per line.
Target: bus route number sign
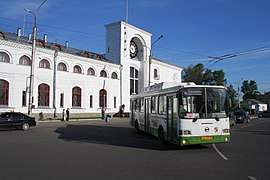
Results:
207 138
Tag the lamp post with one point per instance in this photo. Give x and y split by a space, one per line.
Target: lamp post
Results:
238 93
31 98
150 57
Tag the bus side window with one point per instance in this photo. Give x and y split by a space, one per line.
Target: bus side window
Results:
141 105
153 105
162 104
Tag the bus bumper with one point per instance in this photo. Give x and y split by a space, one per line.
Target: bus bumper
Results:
185 140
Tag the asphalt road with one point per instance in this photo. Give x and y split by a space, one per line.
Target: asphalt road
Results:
114 150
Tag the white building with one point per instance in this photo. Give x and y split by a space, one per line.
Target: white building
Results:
83 81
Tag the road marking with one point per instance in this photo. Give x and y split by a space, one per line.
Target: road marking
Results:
252 178
216 149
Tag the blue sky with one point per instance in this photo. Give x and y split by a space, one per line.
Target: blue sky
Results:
193 30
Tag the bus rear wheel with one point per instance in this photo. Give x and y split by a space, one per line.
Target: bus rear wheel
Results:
137 126
161 137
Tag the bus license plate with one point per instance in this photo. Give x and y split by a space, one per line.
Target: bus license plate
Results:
207 138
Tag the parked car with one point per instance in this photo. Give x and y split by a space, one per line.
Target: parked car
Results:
266 113
241 117
10 120
232 119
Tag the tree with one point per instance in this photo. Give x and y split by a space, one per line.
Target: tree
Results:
199 75
250 89
233 98
194 74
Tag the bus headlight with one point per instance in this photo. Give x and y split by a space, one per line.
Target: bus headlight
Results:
226 130
184 142
226 139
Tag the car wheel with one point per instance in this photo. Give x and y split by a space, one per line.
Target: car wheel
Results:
25 126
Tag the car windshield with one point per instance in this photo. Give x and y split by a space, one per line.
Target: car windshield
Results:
203 103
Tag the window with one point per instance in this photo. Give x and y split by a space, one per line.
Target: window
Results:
62 100
134 75
162 104
142 105
103 98
91 72
114 101
77 69
4 57
76 97
44 64
103 73
153 105
156 75
61 67
24 98
43 95
25 60
4 91
114 75
91 101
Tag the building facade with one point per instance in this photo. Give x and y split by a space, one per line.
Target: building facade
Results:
83 81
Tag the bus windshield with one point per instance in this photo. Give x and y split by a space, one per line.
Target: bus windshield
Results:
203 103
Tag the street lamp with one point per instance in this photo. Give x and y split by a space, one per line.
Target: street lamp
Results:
238 91
150 57
31 98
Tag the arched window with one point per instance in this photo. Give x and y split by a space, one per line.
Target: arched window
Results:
4 57
114 75
43 95
25 60
156 74
44 64
103 73
103 98
91 72
77 69
76 96
134 80
4 91
61 67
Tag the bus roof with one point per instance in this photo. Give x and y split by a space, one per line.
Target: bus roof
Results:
169 87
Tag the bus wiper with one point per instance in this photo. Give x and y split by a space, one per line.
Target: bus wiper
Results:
217 119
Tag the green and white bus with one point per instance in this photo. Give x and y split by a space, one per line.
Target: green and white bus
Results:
182 113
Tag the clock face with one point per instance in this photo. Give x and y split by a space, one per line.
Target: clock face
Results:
133 49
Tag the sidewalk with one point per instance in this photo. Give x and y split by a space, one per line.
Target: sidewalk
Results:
77 120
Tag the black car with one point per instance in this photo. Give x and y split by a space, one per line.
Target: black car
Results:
9 120
241 117
266 113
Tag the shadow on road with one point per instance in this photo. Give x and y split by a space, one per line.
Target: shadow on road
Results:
117 136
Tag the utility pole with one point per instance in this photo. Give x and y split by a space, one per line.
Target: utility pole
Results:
31 97
150 58
54 82
238 93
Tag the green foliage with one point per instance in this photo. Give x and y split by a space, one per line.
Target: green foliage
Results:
250 89
233 98
199 75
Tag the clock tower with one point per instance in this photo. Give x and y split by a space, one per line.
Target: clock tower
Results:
129 46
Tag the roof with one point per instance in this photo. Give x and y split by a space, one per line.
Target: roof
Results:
53 46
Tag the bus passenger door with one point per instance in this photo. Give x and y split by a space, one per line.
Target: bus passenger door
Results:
147 114
172 118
